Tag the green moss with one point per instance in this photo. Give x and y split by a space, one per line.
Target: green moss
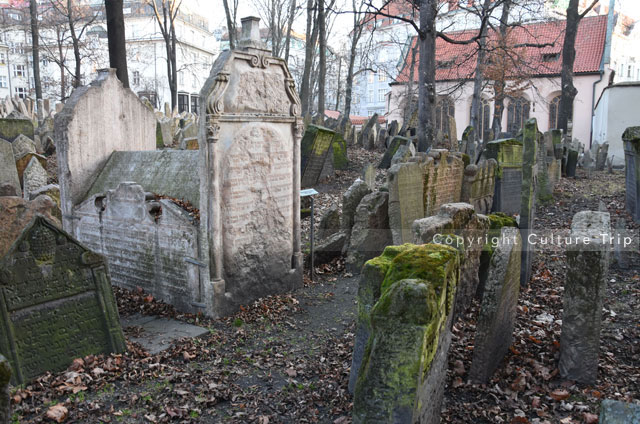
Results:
305 212
466 159
340 159
499 219
159 142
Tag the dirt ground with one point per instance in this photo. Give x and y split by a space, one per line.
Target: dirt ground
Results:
287 358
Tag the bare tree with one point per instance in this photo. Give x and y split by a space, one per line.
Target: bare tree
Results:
311 38
231 14
35 50
287 43
322 71
116 40
569 91
166 12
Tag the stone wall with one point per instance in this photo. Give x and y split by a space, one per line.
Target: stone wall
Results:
97 120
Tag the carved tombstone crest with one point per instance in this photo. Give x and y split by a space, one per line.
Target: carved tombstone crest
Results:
250 145
56 302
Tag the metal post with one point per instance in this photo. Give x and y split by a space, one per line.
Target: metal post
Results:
312 225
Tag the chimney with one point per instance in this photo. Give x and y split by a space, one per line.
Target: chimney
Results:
250 38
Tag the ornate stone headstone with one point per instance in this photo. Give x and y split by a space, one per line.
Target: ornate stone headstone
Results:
508 154
494 330
631 139
250 132
56 302
584 292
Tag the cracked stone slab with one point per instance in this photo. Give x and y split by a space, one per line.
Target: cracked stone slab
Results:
158 334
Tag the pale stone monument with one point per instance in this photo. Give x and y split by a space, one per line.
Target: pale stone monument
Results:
250 133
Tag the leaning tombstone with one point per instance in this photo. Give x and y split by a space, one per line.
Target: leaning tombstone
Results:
631 139
528 199
395 143
584 292
498 309
5 394
57 302
315 148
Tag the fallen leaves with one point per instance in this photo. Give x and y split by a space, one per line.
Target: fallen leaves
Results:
560 394
57 413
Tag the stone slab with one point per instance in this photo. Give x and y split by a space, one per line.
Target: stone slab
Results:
616 412
12 128
159 334
315 148
406 199
8 171
34 177
631 139
508 186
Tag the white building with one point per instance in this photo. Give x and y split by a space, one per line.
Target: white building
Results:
197 49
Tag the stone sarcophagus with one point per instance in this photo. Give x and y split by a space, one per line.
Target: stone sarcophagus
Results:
250 132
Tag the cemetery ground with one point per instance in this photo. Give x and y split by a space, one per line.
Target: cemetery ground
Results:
286 358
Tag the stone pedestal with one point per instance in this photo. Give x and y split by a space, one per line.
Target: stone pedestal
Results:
588 265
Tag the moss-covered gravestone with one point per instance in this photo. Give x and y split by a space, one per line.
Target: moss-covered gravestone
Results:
402 375
315 148
508 186
394 144
56 302
631 139
12 128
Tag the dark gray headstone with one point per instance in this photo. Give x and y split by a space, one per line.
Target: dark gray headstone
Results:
616 412
631 139
56 303
396 142
508 185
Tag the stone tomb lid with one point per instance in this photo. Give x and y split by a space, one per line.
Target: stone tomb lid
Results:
173 173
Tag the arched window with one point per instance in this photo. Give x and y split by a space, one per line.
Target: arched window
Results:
517 114
444 109
484 118
554 112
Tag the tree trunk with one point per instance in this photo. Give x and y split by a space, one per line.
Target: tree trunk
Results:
231 26
33 8
116 40
287 42
355 38
427 74
305 87
409 107
339 81
77 77
478 80
499 86
569 92
322 68
63 91
173 81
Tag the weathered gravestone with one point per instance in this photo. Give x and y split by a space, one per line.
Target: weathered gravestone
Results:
11 128
572 161
478 185
34 177
393 128
369 175
528 193
631 139
443 174
601 156
85 135
406 199
5 394
251 131
8 171
22 145
584 292
616 412
494 328
395 143
365 134
402 373
56 302
350 201
508 188
315 149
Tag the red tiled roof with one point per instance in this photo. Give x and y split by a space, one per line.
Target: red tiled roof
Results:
355 120
459 61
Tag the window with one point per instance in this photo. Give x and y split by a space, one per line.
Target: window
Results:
21 92
554 112
371 77
381 93
19 70
371 95
382 77
3 81
517 114
136 77
15 16
183 103
195 102
45 62
444 109
3 59
484 118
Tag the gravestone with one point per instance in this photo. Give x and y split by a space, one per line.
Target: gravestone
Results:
10 128
369 176
406 202
508 188
251 131
572 161
315 148
631 139
34 177
393 128
350 201
443 173
394 144
22 145
584 292
616 412
467 138
329 223
601 156
498 309
56 301
5 393
370 233
8 171
363 137
453 135
478 186
339 151
529 188
23 162
401 376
